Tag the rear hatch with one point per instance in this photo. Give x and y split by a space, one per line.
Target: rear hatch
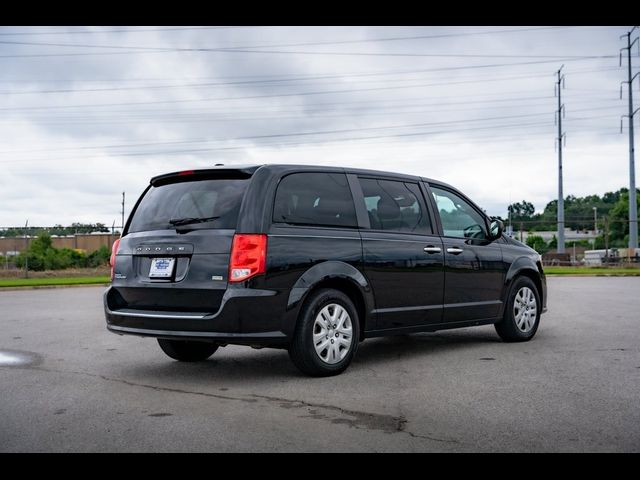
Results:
174 255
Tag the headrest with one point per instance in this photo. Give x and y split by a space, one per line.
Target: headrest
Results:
388 209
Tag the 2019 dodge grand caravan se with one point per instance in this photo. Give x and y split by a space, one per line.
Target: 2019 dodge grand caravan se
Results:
314 260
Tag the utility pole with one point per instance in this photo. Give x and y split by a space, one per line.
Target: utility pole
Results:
521 231
559 114
122 228
606 237
633 205
26 252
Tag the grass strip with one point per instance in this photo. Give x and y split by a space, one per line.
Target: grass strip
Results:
44 282
593 271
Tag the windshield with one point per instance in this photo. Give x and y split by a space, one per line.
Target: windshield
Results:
199 204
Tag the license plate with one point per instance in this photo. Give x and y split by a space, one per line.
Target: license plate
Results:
161 267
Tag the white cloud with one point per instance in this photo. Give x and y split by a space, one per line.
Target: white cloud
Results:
488 131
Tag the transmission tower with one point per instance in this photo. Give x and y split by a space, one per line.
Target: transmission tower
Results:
633 205
559 115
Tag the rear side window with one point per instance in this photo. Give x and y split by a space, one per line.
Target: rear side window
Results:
315 199
395 206
217 201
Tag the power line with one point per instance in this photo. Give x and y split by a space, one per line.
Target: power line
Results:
318 144
335 140
257 49
355 142
252 49
319 132
138 30
489 136
392 39
258 82
380 103
297 76
315 107
202 118
284 80
134 30
250 97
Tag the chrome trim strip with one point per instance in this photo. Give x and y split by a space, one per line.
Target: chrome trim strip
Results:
155 315
181 333
432 307
472 304
417 240
406 309
314 236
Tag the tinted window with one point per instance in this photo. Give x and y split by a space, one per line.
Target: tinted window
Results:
196 199
458 217
315 199
395 206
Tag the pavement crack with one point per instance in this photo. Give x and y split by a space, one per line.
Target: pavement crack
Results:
169 389
359 419
149 386
339 415
317 411
433 439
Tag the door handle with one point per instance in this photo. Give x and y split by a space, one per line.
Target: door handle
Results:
432 249
454 250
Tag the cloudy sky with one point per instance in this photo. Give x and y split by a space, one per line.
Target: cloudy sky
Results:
90 112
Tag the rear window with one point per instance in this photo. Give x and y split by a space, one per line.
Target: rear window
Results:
315 199
165 206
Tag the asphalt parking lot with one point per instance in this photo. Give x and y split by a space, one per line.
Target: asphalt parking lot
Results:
575 387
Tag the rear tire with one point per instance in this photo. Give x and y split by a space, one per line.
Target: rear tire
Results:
327 334
187 351
522 312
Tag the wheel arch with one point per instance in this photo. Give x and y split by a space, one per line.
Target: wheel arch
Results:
338 276
523 266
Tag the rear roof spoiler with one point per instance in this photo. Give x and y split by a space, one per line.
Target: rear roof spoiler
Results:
235 172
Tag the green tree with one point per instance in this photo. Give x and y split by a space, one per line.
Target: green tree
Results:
619 220
521 210
537 243
55 230
41 255
613 197
41 244
99 257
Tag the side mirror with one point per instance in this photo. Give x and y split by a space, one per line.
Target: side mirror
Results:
496 228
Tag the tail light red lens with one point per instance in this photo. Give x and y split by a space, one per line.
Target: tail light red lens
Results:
114 252
248 257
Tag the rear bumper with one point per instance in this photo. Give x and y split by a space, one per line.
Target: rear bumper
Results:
245 317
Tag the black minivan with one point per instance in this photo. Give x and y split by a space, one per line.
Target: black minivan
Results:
314 260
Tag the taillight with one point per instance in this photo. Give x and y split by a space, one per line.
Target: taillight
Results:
114 252
248 257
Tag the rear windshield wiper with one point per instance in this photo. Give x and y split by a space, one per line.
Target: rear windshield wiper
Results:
189 220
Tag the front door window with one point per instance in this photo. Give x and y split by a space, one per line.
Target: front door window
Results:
459 219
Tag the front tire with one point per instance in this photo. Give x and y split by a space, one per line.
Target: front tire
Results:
187 351
327 334
522 312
